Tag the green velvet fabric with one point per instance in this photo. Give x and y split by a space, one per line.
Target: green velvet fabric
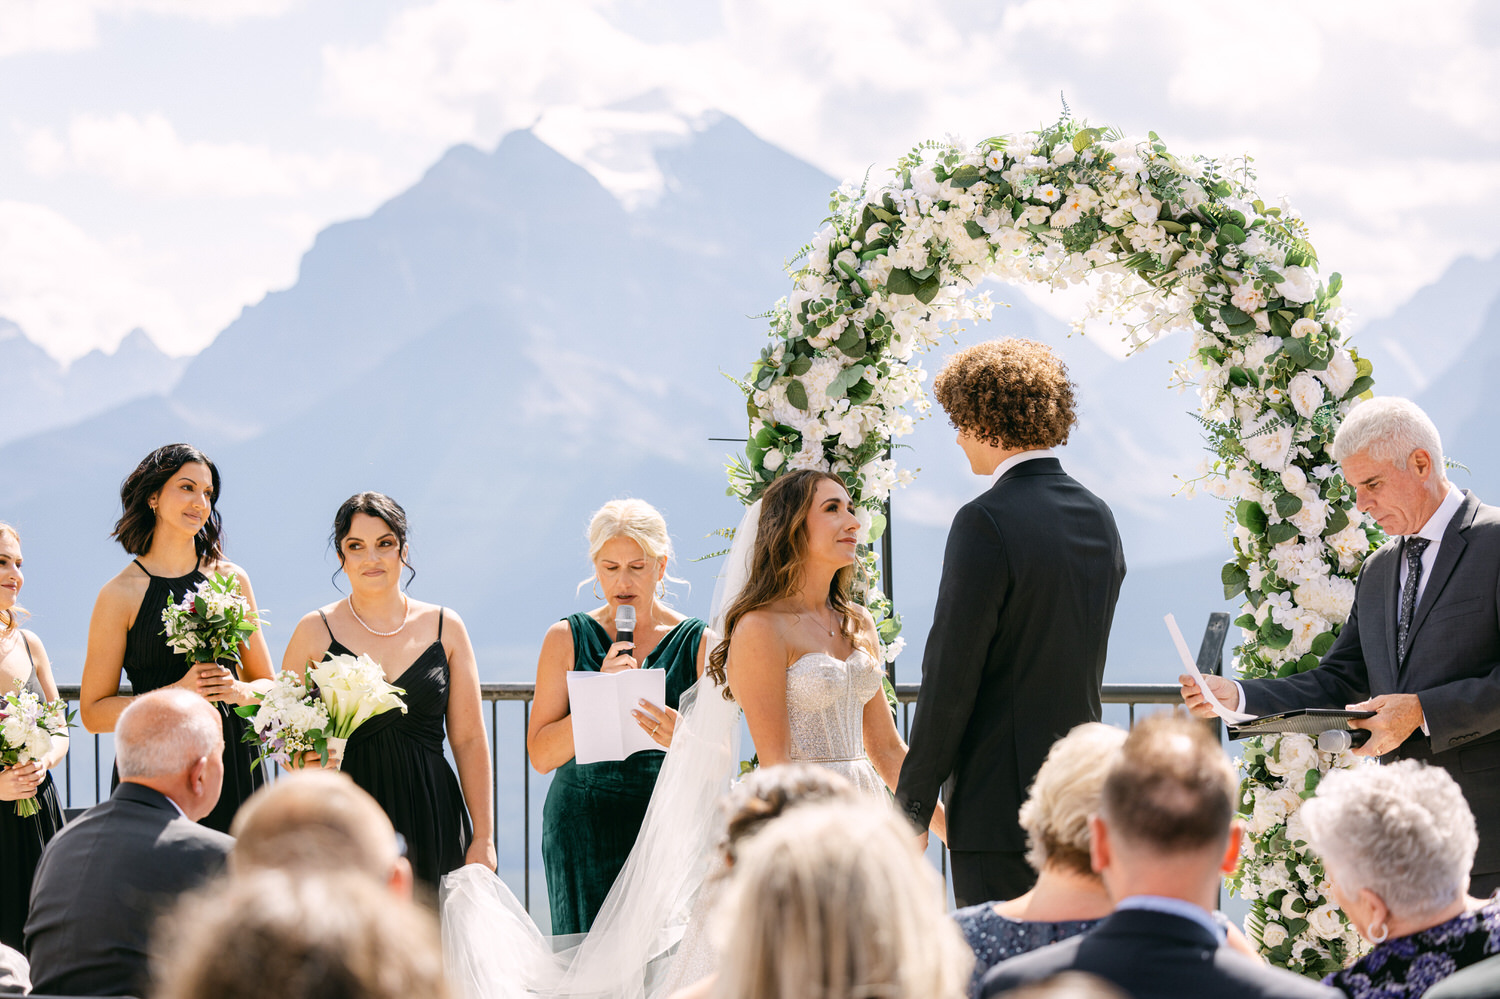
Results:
594 811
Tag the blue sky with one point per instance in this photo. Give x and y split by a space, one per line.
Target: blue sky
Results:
164 163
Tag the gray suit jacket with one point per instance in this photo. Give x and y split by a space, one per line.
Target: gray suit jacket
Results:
100 885
1453 665
1477 981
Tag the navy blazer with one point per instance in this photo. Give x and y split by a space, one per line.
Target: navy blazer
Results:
101 883
1453 664
1156 955
1015 657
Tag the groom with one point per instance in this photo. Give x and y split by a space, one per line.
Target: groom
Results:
1015 658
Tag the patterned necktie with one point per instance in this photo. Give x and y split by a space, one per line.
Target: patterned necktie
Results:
1413 548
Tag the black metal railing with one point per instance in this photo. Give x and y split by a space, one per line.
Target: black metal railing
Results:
90 759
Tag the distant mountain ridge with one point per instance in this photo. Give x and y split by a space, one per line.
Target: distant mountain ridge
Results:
505 345
42 393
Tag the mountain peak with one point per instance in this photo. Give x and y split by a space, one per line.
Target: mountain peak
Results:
619 144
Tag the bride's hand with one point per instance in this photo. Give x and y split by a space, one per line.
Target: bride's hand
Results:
659 723
618 658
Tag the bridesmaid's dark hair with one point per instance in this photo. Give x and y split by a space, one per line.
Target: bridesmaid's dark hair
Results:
137 524
375 505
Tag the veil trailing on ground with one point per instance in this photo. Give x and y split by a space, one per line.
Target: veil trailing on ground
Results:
493 949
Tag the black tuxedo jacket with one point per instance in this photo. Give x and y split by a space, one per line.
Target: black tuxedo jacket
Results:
101 883
1453 665
1015 657
1156 955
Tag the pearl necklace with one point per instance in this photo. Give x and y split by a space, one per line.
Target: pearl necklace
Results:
405 613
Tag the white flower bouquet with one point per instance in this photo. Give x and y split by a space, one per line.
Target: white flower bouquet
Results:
211 621
287 720
28 725
319 711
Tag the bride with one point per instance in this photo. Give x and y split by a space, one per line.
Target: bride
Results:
802 659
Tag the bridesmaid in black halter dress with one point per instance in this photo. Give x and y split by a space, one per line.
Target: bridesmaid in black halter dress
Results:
424 649
170 523
24 661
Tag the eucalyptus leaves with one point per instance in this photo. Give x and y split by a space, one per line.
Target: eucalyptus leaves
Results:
1166 243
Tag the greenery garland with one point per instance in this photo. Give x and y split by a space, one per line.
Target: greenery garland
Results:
1167 243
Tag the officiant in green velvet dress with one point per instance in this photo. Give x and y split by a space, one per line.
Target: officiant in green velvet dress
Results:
594 811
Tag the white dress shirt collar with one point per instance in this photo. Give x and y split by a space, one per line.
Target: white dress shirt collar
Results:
1438 523
1016 459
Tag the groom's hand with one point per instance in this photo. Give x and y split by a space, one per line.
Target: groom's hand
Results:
1223 689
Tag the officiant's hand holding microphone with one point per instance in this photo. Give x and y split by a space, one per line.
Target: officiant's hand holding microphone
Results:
659 722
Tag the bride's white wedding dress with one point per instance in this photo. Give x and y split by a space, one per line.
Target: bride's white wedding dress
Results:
825 704
664 895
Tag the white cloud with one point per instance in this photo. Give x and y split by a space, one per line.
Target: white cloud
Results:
72 293
71 25
146 155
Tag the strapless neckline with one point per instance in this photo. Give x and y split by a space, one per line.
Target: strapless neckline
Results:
857 653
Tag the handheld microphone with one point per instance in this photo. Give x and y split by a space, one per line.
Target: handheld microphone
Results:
625 623
1339 740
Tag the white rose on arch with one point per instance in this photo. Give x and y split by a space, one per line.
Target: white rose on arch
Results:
1299 285
1306 393
1296 755
1340 374
1273 935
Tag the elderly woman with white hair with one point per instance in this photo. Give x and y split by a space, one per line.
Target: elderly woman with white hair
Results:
594 811
1397 843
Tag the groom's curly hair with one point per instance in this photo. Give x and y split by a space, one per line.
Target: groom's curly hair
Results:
1010 393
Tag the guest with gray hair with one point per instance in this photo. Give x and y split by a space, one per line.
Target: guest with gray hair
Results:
1397 843
1421 646
108 874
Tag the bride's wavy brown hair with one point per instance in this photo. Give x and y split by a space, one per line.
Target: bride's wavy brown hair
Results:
776 565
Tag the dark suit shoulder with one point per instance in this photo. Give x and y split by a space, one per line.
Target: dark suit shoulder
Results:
1156 965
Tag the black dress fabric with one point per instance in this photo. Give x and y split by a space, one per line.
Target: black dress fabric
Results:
150 664
21 842
398 759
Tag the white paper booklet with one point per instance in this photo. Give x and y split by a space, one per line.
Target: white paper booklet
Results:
1232 717
601 706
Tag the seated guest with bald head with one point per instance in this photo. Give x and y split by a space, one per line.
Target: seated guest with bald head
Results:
1163 838
319 821
104 879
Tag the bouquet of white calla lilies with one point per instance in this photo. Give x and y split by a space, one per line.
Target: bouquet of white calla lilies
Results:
354 690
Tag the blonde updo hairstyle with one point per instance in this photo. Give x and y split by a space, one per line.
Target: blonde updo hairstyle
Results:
10 620
640 522
1065 793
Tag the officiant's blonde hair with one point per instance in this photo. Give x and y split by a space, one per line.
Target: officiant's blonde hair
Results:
832 900
640 522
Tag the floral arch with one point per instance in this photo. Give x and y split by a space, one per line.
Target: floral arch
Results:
1167 242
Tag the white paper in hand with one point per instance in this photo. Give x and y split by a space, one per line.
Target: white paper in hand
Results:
1233 717
601 706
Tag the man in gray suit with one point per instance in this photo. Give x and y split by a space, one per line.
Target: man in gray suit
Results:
108 874
1421 647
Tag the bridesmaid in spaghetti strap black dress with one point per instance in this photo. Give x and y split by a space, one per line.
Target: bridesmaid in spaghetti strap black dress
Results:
169 522
424 649
22 661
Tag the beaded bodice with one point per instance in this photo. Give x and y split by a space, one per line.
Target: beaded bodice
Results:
825 700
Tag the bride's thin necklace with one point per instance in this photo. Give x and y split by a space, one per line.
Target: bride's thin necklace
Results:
405 613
